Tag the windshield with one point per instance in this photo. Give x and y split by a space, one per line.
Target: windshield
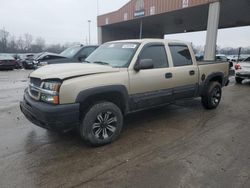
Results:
117 54
70 52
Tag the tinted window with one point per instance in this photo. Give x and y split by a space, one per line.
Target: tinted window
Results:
86 51
157 54
181 55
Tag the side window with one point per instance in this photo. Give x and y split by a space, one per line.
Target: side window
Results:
157 53
181 55
85 52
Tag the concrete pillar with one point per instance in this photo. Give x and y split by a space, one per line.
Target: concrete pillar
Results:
212 31
99 33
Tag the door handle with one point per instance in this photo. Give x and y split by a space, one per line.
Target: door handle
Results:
168 75
192 72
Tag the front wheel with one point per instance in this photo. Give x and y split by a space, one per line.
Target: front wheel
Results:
102 124
212 96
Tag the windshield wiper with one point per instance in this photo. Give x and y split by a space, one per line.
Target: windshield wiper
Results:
101 63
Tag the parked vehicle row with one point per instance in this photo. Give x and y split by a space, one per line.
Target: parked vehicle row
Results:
119 78
74 54
237 58
222 57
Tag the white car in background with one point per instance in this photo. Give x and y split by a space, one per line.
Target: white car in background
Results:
242 70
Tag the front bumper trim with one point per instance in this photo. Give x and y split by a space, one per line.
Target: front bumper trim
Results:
54 117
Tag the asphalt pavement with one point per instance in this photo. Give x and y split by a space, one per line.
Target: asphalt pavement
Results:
180 145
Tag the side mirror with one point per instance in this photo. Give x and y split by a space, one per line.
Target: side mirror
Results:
82 58
142 64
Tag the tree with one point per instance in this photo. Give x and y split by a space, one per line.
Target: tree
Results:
55 48
20 44
27 41
40 42
3 40
12 47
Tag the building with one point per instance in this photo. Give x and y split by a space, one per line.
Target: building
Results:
155 18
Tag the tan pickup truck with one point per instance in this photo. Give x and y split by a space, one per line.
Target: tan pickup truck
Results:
118 78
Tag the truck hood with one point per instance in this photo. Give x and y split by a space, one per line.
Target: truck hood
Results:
68 70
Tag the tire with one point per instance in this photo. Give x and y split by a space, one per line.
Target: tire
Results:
238 80
95 128
212 96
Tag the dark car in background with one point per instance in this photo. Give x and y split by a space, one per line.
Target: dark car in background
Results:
18 59
73 54
27 61
46 56
7 62
31 61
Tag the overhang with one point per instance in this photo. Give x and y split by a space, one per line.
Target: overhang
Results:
176 19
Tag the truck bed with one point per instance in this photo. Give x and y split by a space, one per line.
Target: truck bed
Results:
209 67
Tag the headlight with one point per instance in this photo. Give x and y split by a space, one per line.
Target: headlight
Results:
50 92
51 86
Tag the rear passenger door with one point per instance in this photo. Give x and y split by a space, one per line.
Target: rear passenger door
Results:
151 87
185 72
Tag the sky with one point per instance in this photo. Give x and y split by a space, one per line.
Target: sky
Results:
66 21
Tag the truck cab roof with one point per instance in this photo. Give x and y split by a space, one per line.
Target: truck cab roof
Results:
148 40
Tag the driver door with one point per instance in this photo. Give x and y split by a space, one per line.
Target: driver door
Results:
151 87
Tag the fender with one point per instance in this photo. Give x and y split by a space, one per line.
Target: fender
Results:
205 82
120 89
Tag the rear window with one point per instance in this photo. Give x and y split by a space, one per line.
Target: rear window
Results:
181 55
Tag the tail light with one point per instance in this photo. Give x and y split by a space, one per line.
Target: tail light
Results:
237 66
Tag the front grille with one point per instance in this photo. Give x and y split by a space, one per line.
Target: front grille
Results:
34 84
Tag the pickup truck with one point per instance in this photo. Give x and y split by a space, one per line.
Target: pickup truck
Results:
119 78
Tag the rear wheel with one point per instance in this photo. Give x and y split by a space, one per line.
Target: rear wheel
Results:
102 124
212 97
238 80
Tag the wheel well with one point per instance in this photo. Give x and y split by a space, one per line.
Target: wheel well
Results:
218 79
114 97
